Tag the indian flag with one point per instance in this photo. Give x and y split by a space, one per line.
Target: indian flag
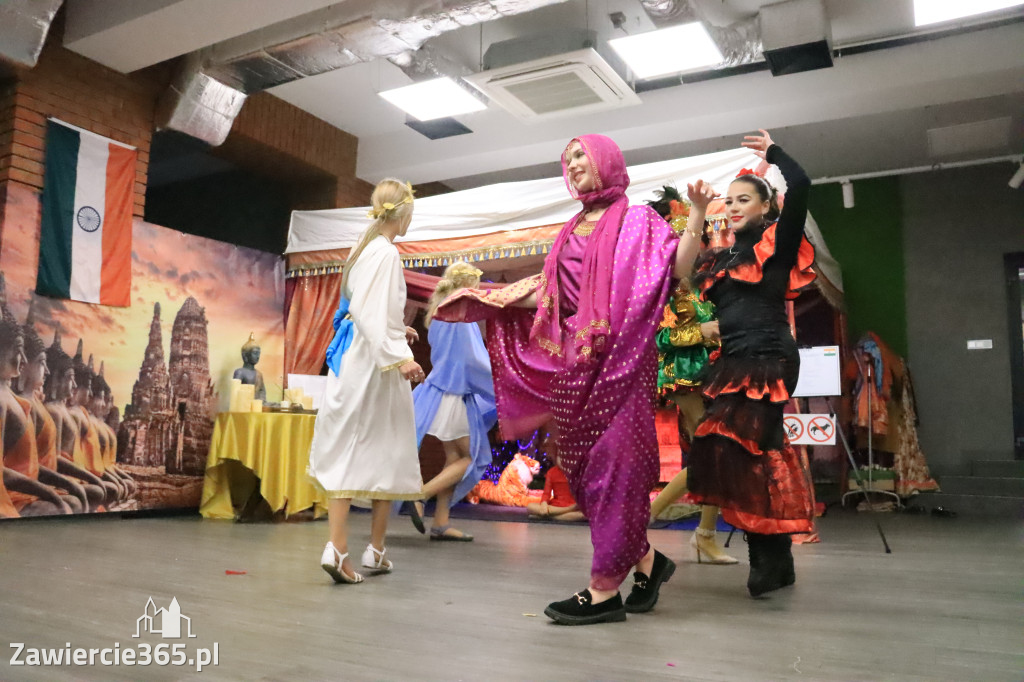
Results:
85 246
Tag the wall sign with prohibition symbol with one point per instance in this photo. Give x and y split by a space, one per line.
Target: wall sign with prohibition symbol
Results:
810 429
821 430
794 428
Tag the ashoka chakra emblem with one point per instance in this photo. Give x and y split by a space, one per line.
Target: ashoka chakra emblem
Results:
88 219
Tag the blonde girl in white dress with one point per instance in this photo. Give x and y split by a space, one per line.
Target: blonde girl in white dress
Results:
364 440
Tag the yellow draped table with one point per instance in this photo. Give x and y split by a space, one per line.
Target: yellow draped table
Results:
275 448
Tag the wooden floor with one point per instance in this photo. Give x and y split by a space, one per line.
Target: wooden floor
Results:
945 605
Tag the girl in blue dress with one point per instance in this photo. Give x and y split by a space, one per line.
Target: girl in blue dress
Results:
455 405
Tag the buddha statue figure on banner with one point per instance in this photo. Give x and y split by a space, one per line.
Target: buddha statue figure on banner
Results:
247 373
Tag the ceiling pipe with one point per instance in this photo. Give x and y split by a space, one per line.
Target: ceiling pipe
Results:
1018 158
212 85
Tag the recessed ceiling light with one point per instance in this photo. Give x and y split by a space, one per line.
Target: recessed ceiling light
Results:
669 50
433 99
933 11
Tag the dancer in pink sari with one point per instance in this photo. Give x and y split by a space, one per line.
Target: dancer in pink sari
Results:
586 360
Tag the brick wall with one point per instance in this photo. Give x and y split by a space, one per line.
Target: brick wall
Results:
270 137
83 93
279 140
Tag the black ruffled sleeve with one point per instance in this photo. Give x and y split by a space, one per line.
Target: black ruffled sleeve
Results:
794 210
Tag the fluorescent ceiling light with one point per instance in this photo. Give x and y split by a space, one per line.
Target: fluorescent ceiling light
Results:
933 11
433 99
669 50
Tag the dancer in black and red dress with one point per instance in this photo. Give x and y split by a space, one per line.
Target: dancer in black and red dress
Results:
740 458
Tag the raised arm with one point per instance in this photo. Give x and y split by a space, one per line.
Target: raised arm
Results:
700 195
794 210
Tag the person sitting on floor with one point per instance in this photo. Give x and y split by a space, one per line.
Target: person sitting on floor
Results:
557 502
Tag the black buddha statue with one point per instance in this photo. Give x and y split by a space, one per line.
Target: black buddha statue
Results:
248 373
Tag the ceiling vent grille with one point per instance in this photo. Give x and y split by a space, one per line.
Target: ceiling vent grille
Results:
577 82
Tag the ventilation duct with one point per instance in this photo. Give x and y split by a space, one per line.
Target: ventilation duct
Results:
552 75
797 36
23 28
668 12
332 38
427 63
736 34
199 105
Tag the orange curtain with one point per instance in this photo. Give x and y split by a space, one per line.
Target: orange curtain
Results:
309 329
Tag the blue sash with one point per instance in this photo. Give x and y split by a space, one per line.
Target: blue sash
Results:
344 330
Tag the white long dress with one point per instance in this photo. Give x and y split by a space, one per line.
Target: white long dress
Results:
364 439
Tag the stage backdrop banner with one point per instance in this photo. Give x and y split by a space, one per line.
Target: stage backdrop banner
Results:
167 359
85 249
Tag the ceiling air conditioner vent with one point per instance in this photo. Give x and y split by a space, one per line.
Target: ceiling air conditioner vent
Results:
577 82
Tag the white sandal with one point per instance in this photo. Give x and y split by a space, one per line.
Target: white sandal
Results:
374 559
331 561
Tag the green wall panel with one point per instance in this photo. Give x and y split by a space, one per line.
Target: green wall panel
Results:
867 240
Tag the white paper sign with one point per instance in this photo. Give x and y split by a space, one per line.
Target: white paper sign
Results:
810 429
311 385
819 372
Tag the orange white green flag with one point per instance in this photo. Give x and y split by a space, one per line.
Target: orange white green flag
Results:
85 245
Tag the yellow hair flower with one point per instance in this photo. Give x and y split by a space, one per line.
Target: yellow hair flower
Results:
388 206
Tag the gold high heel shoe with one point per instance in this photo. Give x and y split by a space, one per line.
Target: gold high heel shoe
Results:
707 549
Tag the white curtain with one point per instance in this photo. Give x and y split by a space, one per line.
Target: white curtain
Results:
533 203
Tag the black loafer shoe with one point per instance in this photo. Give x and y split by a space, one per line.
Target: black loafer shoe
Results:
645 588
579 609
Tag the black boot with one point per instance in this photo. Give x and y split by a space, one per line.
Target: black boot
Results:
579 609
771 563
787 573
758 578
645 588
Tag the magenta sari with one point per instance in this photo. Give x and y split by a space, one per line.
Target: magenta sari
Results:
587 360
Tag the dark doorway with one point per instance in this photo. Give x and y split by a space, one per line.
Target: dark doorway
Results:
194 191
242 192
1014 263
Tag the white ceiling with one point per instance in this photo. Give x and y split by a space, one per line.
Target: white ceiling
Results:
127 35
870 112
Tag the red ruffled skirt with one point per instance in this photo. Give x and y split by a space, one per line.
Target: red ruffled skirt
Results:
740 459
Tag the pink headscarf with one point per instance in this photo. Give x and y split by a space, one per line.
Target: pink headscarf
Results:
611 180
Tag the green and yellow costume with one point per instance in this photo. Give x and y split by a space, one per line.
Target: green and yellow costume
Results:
682 349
